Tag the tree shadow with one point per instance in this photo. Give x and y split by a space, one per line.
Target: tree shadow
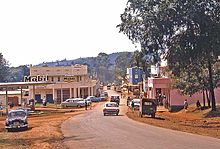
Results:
213 113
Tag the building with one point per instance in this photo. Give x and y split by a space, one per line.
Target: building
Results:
135 75
160 84
68 82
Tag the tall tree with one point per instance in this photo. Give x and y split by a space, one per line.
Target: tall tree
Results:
3 68
186 32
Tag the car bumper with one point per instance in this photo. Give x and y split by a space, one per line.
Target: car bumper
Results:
110 111
16 126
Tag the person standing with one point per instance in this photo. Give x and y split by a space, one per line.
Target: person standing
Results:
185 104
132 106
85 104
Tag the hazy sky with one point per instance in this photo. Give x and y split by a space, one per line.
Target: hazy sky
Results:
34 31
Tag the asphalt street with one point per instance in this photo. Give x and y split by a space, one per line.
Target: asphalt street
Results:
92 130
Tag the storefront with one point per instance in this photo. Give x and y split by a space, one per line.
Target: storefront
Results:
67 82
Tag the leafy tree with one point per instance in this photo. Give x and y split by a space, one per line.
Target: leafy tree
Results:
102 63
186 33
122 62
3 68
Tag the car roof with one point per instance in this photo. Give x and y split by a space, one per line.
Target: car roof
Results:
110 103
18 110
114 95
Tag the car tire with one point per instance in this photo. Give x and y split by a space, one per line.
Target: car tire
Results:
153 115
104 114
78 106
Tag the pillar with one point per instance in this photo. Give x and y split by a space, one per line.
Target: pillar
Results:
75 93
92 92
89 93
79 92
71 93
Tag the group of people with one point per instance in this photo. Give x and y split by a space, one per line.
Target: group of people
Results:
198 105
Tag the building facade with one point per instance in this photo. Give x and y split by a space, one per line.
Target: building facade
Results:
68 82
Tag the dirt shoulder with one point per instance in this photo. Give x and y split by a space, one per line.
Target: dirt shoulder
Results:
44 130
193 121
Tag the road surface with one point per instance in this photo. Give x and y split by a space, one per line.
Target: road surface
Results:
92 130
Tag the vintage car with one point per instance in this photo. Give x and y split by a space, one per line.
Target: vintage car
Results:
148 107
111 108
93 99
17 119
74 102
136 102
115 98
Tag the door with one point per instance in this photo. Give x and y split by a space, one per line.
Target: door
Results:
38 98
49 98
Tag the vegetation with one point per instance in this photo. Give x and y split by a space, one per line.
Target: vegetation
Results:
3 68
185 33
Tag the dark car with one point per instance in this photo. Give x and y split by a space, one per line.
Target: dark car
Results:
17 119
115 98
148 107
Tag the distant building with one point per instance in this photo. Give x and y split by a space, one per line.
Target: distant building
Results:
69 82
135 75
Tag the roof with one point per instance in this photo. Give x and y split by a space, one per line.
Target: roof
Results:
12 84
10 92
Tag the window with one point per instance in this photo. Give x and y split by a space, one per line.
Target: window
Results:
58 78
52 79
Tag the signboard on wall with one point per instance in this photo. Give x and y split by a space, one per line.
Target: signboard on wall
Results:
69 79
35 78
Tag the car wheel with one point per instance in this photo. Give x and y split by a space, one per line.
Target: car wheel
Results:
153 115
117 114
78 106
104 114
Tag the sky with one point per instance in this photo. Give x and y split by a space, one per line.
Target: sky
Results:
36 31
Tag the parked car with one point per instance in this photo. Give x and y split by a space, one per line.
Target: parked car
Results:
92 99
111 108
115 98
137 103
105 94
17 119
27 110
108 87
102 98
148 107
73 102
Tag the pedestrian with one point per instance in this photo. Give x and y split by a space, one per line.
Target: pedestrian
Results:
132 106
198 105
185 104
85 104
44 101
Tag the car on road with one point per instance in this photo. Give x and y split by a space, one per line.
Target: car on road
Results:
74 102
16 120
92 99
111 108
115 98
148 107
137 103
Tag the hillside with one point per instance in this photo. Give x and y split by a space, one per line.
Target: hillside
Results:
103 66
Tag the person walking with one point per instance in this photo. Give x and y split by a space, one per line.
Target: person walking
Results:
85 104
132 106
186 104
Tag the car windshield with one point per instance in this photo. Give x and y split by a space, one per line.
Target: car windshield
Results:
115 97
111 105
17 114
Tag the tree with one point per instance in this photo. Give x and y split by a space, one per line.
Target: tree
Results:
3 68
186 33
122 62
102 62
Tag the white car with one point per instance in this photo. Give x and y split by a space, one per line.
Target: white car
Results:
111 108
137 103
73 102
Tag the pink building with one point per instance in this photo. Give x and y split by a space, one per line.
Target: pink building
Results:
162 85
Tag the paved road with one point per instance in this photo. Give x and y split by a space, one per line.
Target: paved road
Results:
92 130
